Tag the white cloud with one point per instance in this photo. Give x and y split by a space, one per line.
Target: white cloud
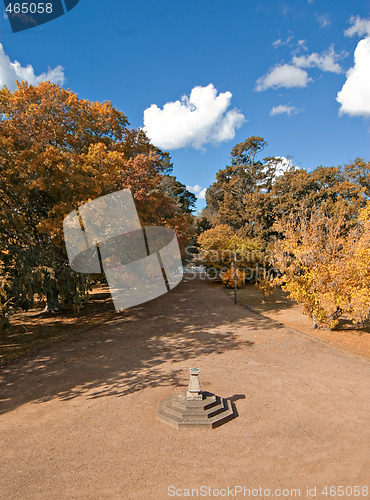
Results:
279 42
285 75
193 121
359 27
294 74
282 108
354 97
198 191
281 163
326 61
194 189
283 166
202 194
323 20
10 72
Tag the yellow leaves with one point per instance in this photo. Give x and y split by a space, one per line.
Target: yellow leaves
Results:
326 267
216 238
217 247
266 286
364 215
228 278
58 151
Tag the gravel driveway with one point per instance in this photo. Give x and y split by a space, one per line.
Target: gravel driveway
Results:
79 420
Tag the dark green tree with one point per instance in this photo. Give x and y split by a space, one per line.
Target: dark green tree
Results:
184 199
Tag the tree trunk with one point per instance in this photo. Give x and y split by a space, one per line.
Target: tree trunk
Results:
315 324
336 314
52 302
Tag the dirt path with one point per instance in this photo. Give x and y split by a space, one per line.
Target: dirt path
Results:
79 421
280 308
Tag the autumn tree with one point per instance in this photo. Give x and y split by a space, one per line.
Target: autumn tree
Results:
324 187
241 188
57 152
251 194
216 252
354 296
202 223
324 263
358 173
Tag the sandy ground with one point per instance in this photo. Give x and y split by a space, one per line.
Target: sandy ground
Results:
280 308
79 422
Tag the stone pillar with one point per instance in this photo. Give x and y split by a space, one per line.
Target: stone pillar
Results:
194 393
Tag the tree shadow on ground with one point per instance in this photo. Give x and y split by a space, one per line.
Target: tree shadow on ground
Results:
355 329
129 353
276 302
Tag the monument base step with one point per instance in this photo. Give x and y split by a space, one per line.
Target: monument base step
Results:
208 413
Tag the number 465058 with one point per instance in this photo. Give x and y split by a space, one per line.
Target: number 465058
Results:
347 491
29 8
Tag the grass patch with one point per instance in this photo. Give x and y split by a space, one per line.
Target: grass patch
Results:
32 330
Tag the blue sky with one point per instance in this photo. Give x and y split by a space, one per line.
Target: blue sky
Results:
272 69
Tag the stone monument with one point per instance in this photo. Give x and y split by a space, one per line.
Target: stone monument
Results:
194 408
